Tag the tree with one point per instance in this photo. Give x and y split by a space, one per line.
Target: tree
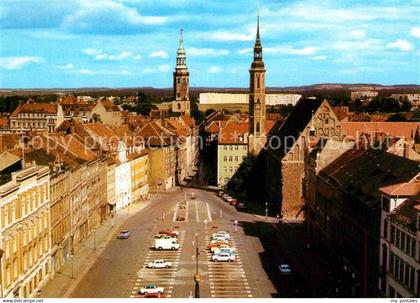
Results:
397 118
209 111
405 105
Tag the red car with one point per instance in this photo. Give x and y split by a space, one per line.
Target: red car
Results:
234 202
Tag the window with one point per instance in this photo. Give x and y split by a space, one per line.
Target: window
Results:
385 235
257 127
224 147
236 158
230 158
225 158
236 147
230 169
225 169
230 147
385 203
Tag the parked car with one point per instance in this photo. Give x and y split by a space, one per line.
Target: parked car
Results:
220 238
169 232
155 296
220 193
193 196
223 249
234 202
151 288
241 205
224 196
159 264
218 247
222 233
223 257
285 269
228 199
124 234
216 244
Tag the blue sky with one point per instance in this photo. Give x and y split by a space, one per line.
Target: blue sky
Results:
129 43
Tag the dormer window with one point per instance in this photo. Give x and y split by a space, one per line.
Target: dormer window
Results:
312 132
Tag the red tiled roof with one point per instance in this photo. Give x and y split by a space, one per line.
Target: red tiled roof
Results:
233 133
68 100
4 122
153 134
188 120
407 189
406 213
47 108
109 105
394 129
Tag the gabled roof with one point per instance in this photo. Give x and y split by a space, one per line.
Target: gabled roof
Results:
234 133
153 134
7 159
362 172
178 128
393 129
45 108
109 105
188 120
68 100
296 122
406 189
406 213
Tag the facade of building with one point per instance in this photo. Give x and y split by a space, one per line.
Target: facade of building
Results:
363 95
309 121
344 213
414 99
233 98
181 103
107 112
43 117
25 233
399 269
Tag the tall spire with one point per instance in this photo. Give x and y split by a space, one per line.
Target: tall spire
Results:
258 46
258 28
181 58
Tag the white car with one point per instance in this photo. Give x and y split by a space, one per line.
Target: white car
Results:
222 233
223 257
285 269
159 264
221 246
227 250
151 288
217 238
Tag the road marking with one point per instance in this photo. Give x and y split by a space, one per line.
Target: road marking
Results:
208 211
176 211
196 212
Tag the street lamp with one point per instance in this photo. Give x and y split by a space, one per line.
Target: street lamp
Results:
266 210
197 275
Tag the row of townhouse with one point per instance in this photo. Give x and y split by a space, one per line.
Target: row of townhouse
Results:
92 170
46 117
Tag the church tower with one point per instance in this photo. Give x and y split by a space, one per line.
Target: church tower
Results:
257 136
181 103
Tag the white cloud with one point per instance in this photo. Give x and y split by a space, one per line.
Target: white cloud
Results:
364 45
86 71
100 55
214 69
65 66
159 54
207 52
138 57
227 36
319 58
18 62
164 68
400 44
245 51
306 51
415 32
110 13
357 34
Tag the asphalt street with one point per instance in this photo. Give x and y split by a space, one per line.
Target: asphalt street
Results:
120 271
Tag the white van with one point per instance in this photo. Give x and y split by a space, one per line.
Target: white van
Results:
166 243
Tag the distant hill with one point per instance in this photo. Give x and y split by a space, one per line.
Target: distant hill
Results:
164 92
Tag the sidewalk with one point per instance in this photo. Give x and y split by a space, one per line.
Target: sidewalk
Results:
62 285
